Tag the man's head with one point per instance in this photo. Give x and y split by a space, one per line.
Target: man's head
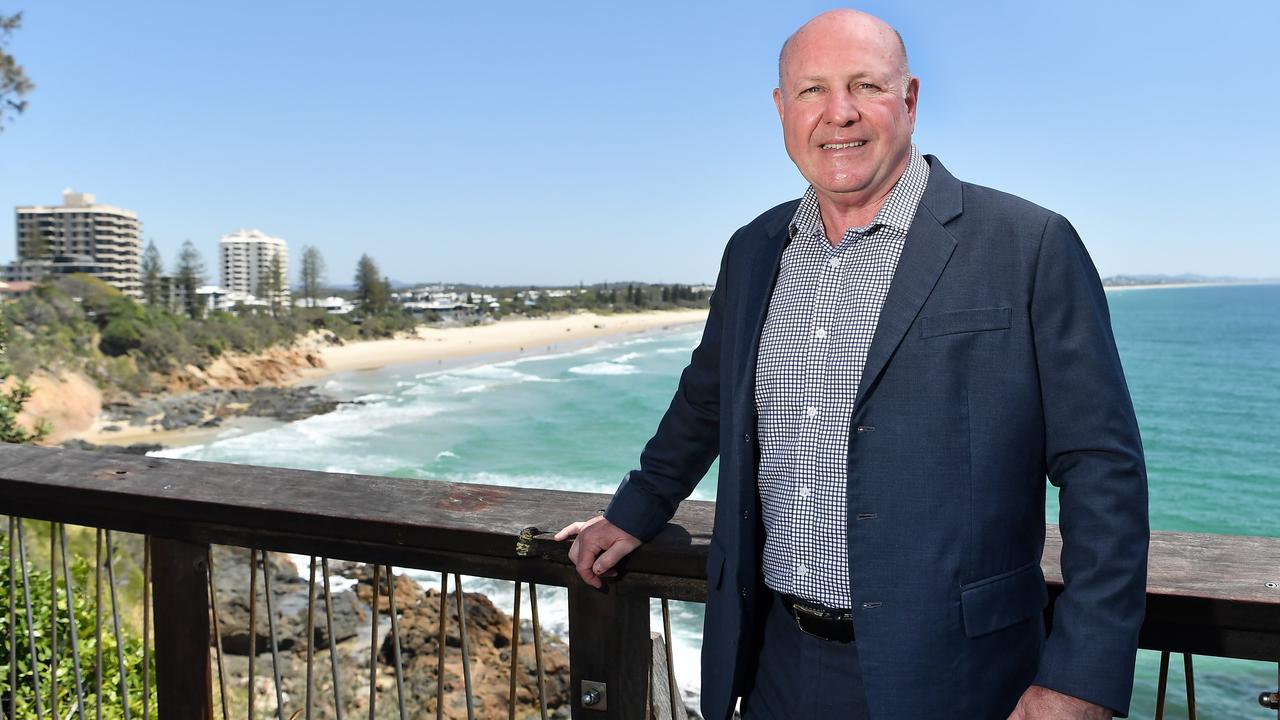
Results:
848 105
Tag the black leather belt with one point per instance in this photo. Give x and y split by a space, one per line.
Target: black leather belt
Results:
820 622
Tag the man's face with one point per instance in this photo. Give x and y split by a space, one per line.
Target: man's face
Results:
846 118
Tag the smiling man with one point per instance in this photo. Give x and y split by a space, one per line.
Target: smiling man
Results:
892 367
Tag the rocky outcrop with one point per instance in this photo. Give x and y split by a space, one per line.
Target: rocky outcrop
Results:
273 366
211 407
488 638
489 646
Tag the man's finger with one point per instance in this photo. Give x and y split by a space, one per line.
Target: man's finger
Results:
610 557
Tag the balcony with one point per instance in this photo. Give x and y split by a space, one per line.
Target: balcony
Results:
1207 594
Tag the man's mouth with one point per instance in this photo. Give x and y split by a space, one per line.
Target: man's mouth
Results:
843 146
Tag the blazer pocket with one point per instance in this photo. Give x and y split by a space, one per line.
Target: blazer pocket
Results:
999 601
715 565
963 321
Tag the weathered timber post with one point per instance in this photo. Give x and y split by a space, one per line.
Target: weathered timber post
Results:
608 645
180 585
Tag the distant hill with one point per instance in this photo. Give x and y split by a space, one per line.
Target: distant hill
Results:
1185 278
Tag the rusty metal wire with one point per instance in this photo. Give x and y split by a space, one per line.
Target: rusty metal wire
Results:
395 639
537 651
466 651
75 635
1163 686
13 614
97 627
671 668
333 641
444 623
373 646
115 623
1191 685
53 620
271 634
515 653
146 627
217 632
311 628
253 624
31 630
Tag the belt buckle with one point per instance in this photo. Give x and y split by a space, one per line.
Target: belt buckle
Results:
804 611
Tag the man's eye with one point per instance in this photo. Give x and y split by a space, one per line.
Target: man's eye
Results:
867 86
811 90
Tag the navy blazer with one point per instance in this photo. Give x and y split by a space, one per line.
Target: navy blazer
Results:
993 367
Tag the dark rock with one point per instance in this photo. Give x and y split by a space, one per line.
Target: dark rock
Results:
289 604
134 449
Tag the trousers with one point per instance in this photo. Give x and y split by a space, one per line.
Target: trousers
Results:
800 677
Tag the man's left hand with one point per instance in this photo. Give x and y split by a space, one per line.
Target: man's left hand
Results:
1041 703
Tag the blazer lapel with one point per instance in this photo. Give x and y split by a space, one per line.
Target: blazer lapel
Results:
758 288
925 254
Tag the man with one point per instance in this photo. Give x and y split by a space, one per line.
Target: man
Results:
891 367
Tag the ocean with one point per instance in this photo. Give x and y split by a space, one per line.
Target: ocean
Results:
1203 365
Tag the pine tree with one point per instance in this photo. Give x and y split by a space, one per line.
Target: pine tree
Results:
152 269
189 277
311 274
373 292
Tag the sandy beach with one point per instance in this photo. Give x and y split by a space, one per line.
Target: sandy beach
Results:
528 334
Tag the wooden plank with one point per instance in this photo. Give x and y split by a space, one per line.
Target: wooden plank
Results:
1196 581
184 688
1232 568
660 696
609 643
126 492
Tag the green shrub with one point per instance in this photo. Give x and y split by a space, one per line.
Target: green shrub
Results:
81 602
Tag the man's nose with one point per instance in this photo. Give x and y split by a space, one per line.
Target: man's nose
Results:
842 109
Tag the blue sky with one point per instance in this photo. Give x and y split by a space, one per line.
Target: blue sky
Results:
548 143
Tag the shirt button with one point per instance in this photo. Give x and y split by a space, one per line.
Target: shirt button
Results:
834 262
820 333
804 491
801 570
811 411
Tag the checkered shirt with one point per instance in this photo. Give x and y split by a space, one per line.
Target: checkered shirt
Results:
821 319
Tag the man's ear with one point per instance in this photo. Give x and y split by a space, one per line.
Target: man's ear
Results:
777 101
912 98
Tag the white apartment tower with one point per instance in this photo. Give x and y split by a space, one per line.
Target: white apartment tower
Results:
244 261
78 236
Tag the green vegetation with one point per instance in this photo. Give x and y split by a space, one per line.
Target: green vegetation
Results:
14 83
12 397
80 323
82 610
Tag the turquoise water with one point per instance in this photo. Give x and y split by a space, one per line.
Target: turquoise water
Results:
1203 366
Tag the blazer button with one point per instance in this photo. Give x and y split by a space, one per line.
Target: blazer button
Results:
746 438
746 514
744 592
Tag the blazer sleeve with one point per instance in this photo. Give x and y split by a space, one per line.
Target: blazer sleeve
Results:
687 439
1093 454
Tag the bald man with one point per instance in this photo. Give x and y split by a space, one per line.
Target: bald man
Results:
892 366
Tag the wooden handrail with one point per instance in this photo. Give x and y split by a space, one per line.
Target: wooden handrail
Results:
1207 594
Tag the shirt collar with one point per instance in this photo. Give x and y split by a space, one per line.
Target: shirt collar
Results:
897 212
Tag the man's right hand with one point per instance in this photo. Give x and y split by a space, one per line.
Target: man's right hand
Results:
597 549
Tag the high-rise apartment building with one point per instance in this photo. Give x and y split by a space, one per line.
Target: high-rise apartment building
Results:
245 262
79 236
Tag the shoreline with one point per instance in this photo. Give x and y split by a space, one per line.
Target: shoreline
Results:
1177 286
451 346
533 335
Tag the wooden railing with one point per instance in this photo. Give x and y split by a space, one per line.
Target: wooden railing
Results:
1207 594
